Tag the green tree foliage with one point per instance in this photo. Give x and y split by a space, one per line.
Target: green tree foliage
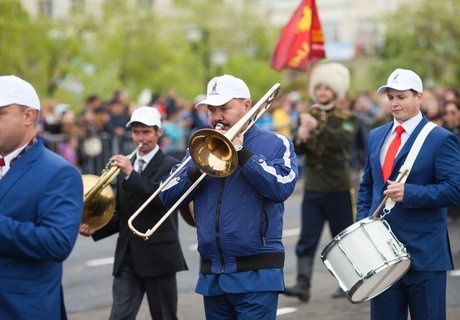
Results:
38 49
134 47
425 38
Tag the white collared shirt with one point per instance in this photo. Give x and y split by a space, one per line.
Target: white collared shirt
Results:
146 157
409 127
8 158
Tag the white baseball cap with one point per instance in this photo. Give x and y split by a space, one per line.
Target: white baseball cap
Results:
14 90
223 89
149 116
402 79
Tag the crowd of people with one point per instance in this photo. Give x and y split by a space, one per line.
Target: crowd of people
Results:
75 132
339 144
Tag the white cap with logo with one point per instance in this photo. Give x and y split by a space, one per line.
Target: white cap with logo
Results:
149 116
14 90
223 89
402 79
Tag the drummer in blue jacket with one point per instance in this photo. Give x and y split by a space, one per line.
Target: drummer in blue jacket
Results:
418 218
239 218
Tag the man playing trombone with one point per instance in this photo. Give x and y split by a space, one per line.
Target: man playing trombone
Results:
143 266
239 217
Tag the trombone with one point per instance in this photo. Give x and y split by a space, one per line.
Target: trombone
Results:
99 198
213 153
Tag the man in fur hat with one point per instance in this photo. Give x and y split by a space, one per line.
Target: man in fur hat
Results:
325 136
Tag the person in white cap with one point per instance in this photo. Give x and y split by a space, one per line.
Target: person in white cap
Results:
41 201
325 135
239 218
418 218
143 267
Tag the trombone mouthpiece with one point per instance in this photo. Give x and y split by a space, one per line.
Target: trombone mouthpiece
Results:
219 126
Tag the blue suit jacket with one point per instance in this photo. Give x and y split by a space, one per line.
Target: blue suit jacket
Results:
419 221
41 202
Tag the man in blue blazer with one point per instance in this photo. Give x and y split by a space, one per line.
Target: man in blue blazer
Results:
41 204
418 218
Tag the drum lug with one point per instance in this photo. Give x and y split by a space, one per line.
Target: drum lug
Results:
397 248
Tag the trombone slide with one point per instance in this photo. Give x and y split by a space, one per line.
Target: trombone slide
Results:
220 158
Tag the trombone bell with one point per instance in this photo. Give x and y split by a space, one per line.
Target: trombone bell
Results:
213 153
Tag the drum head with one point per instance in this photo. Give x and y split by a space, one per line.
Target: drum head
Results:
379 280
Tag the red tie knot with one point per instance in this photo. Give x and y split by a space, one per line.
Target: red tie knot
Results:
399 130
2 162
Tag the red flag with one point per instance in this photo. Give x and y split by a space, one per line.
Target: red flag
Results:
301 40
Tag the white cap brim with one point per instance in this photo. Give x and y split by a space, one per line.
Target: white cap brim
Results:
384 88
214 101
143 121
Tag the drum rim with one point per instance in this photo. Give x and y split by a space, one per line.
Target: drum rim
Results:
353 290
346 231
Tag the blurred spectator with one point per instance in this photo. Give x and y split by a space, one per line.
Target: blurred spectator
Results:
101 119
374 106
344 102
92 103
159 102
431 107
195 118
452 117
295 100
71 132
90 143
173 140
452 123
386 115
120 96
451 95
171 102
265 121
360 107
281 114
118 117
50 120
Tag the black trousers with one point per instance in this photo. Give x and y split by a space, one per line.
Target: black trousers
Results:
128 291
317 208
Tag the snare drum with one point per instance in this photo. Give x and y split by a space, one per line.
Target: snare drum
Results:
366 258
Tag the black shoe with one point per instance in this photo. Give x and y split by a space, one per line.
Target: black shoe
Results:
339 294
299 291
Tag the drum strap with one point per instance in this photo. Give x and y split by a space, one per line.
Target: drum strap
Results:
407 166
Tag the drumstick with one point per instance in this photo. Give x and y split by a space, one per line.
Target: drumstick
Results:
382 204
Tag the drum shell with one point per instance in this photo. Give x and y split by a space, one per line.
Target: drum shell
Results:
366 259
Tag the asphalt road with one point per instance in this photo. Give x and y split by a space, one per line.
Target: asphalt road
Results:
87 279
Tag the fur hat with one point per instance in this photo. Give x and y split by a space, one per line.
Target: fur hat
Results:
334 75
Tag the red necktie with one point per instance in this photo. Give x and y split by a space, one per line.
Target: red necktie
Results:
391 154
2 163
